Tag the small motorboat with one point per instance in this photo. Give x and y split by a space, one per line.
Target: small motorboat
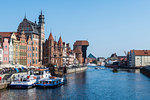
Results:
115 70
97 67
50 82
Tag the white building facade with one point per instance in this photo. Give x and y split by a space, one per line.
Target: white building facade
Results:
139 58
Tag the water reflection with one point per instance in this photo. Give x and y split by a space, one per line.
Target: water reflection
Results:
90 85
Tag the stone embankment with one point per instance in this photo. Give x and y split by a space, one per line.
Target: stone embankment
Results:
146 71
73 70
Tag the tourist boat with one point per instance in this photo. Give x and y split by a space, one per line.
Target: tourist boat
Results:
25 81
50 82
41 74
29 80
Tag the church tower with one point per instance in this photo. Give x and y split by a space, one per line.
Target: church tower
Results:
50 49
41 24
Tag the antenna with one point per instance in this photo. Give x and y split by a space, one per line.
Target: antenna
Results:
25 16
50 30
55 38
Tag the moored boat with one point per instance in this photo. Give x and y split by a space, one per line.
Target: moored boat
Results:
26 81
50 82
115 70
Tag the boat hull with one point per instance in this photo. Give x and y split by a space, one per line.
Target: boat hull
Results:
49 85
21 86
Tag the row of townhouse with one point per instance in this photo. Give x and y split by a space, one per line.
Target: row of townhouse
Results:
24 46
17 48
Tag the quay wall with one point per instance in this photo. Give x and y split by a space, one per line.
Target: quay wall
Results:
3 85
73 70
146 71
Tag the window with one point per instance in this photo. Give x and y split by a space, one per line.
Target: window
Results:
33 54
28 48
33 48
36 54
33 61
36 61
36 48
33 42
6 46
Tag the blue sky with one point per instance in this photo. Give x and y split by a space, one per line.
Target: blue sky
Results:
109 25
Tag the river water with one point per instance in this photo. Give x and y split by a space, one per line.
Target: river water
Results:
92 84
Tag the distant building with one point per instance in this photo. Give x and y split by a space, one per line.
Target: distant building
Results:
139 58
101 61
90 58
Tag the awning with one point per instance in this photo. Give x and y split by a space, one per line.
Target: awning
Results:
16 70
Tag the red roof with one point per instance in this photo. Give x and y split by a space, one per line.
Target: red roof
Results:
8 34
82 42
141 52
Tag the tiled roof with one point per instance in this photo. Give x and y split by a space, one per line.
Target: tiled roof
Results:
82 42
8 34
141 52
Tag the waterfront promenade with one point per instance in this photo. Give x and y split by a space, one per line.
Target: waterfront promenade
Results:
91 84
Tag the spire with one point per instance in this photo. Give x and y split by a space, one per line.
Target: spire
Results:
60 41
35 21
50 37
25 16
41 11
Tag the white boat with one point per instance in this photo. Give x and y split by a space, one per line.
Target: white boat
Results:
50 82
25 81
29 80
91 64
41 74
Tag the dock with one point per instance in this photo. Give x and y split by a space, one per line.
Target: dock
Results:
3 85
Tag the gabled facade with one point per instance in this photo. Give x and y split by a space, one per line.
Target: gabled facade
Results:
11 50
16 51
5 51
23 47
29 51
1 49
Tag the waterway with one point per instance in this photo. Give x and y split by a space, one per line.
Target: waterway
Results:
92 84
